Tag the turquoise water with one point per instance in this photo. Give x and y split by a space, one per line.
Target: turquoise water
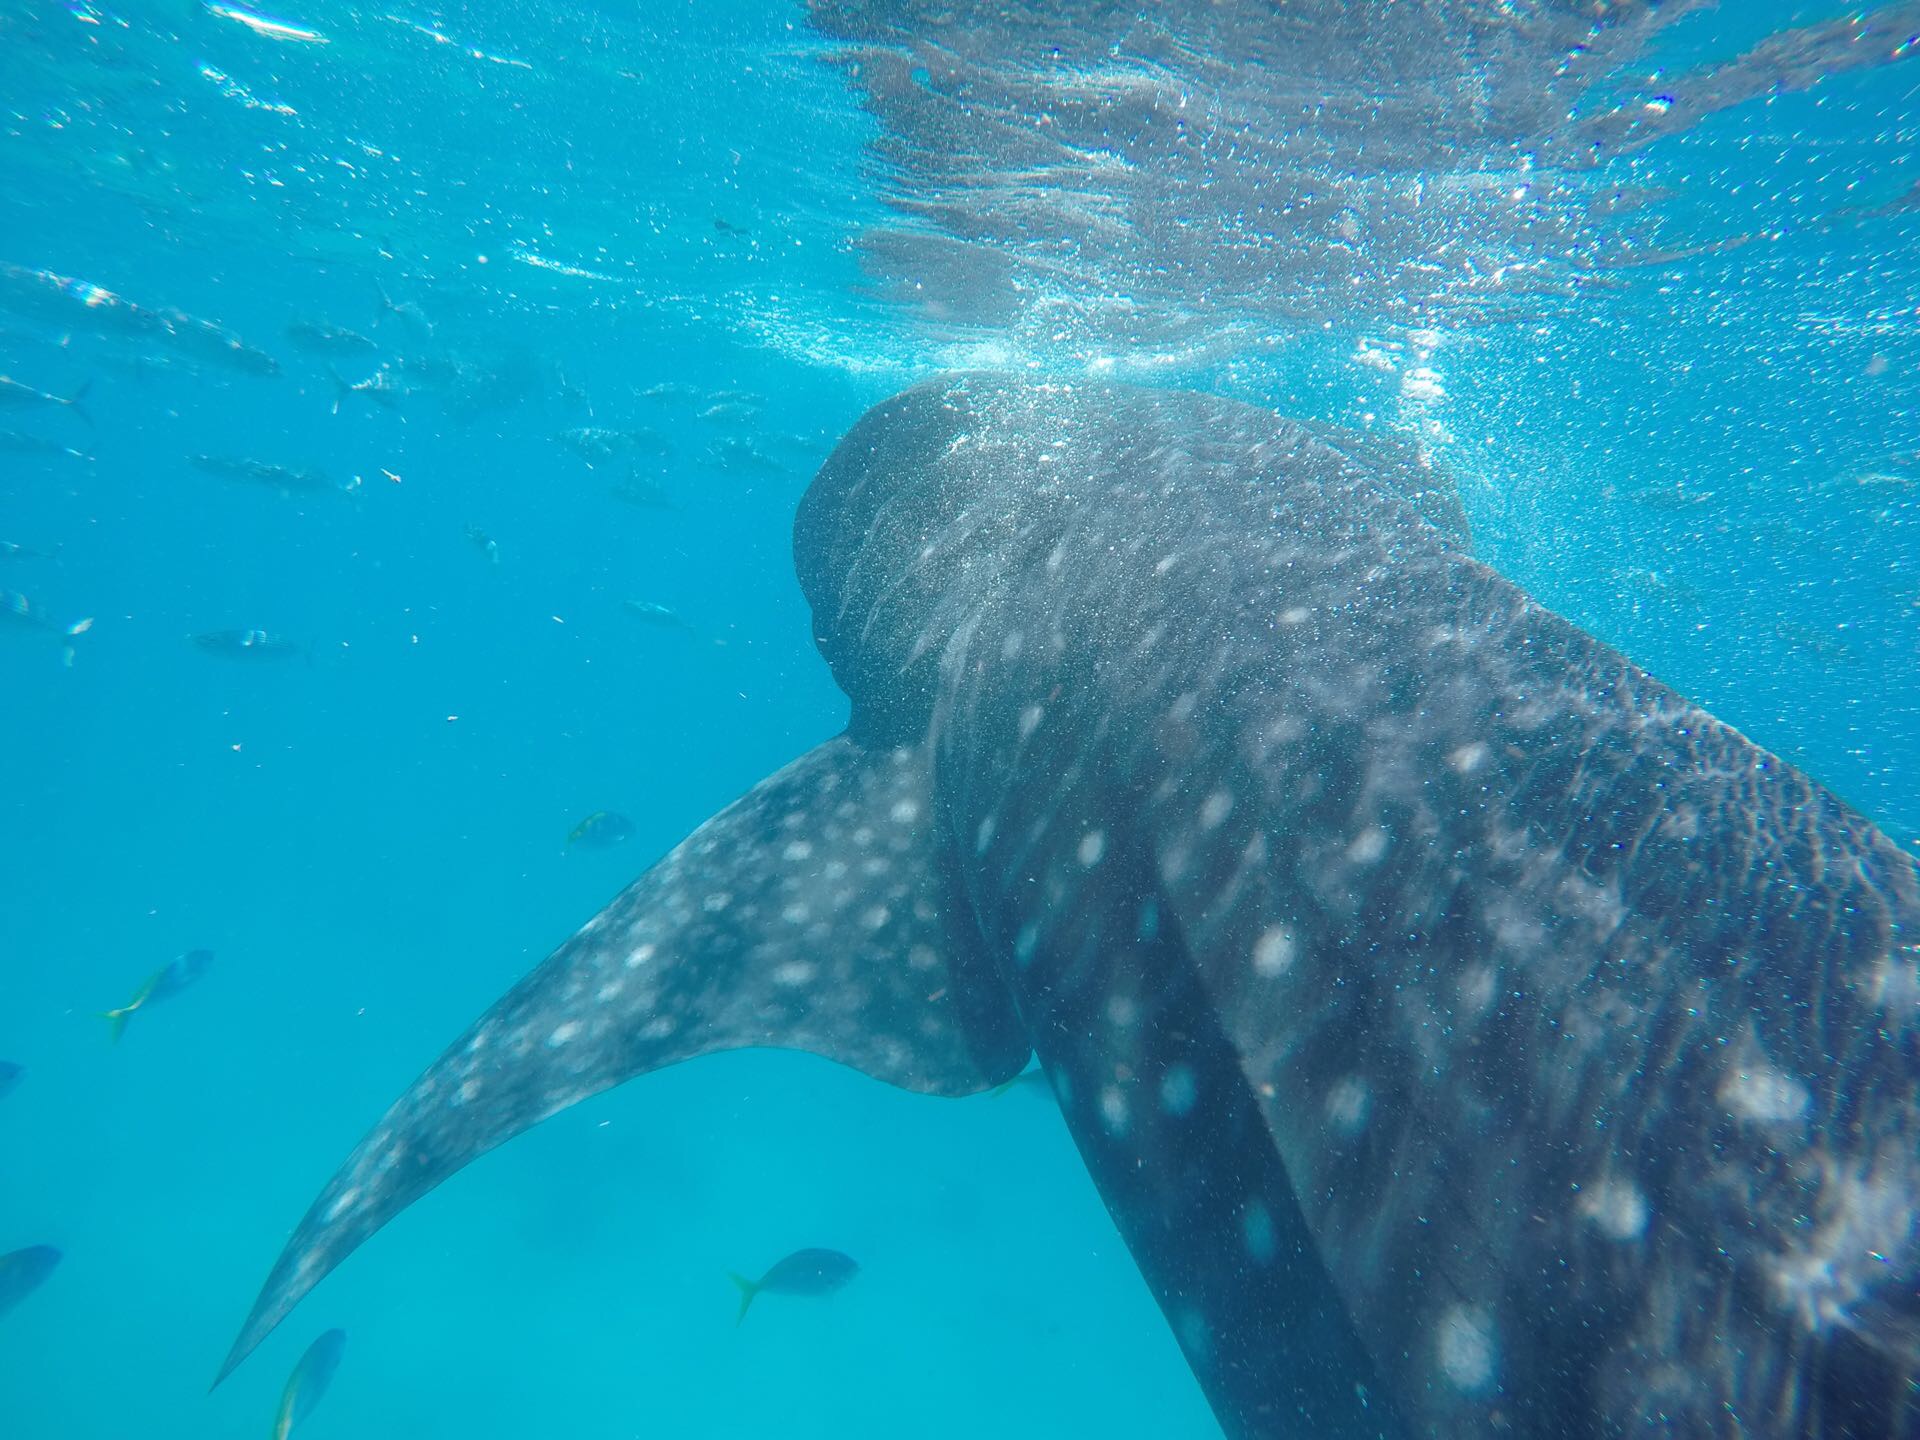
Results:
584 202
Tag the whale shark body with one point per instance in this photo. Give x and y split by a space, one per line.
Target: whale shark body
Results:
1469 1036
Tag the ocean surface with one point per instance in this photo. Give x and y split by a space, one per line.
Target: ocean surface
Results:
446 380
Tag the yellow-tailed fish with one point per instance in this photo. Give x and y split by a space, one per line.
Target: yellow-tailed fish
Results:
165 983
805 1272
601 829
309 1382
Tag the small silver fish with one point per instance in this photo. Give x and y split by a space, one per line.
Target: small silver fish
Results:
12 442
737 454
205 340
141 365
637 490
383 387
1887 479
667 390
16 396
1661 583
247 645
1670 499
1821 644
405 310
284 478
656 614
484 543
66 300
317 339
594 443
18 610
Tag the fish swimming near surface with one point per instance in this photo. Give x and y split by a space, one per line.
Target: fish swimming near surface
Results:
309 1381
287 479
318 339
169 981
384 387
652 612
20 613
13 442
667 390
1468 1035
1885 479
16 396
141 365
801 443
1670 499
406 311
805 1272
484 543
65 300
642 493
594 443
737 454
24 1271
1661 585
248 645
204 340
1824 645
11 1074
14 550
601 830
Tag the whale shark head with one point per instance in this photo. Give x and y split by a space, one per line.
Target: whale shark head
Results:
899 535
938 496
1467 1035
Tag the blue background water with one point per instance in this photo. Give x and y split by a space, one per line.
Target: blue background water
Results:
373 843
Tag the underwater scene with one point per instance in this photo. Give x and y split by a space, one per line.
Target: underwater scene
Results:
1284 638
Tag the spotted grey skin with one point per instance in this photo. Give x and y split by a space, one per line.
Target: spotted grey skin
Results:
809 915
1469 1036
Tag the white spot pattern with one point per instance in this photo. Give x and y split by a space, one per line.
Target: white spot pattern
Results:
1273 952
1466 1346
1178 1090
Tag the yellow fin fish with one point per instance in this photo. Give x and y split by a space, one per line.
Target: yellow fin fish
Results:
309 1382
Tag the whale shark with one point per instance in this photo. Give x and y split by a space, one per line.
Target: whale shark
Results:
1468 1035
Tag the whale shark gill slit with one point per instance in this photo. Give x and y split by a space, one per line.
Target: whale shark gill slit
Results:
809 915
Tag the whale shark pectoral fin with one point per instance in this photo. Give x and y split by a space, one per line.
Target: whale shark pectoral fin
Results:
812 914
